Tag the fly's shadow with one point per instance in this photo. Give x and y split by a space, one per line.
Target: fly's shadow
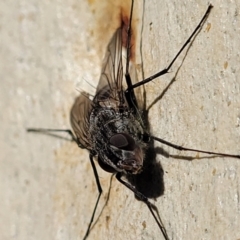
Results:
150 180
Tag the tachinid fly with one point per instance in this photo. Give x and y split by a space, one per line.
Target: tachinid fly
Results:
112 126
109 126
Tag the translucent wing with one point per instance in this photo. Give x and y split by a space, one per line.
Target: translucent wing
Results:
139 91
112 71
109 86
79 117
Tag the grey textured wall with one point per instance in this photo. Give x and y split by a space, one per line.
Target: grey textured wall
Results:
46 184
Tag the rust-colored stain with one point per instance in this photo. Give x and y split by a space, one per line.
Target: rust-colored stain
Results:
225 65
109 16
197 156
107 221
125 21
144 224
91 2
104 18
208 27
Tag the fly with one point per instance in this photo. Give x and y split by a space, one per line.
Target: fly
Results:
112 127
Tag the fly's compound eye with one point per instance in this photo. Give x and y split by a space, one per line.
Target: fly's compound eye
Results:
123 141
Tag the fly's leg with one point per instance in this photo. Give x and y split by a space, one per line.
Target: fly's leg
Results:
144 199
129 39
191 149
164 71
106 202
51 132
98 198
129 93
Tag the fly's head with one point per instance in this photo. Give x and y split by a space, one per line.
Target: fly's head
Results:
123 153
129 152
119 143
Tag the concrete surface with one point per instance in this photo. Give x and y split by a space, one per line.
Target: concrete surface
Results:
48 48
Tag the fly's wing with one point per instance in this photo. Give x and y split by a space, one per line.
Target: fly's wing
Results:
139 91
109 87
79 117
112 70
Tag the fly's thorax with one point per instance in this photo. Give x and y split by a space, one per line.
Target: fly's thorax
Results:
116 135
109 96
